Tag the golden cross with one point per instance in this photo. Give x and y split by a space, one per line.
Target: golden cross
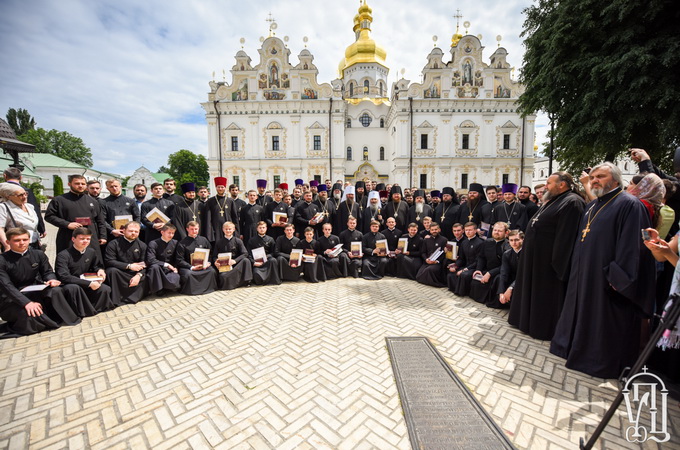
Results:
585 231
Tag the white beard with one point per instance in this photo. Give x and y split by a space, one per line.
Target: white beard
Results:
419 207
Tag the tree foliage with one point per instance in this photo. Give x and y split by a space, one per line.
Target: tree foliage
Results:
58 185
185 166
609 71
20 121
59 143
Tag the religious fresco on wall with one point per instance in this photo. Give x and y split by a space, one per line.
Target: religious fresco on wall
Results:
274 76
500 91
434 91
467 73
262 82
307 91
467 92
285 82
274 95
241 93
479 81
456 80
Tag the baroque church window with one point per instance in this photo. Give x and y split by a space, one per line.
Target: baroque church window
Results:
382 153
275 143
349 123
464 180
234 143
366 86
382 123
466 142
365 153
506 141
365 119
351 89
317 142
423 181
423 141
349 153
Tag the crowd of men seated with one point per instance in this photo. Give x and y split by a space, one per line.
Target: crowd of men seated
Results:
120 250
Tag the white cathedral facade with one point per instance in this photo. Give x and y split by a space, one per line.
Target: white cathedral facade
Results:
276 121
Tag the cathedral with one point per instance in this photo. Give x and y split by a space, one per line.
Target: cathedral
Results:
276 121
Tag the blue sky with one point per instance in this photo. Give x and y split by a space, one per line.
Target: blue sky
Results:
128 76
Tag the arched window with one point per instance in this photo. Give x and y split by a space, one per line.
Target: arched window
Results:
366 85
351 89
382 153
365 153
365 119
349 153
382 123
381 89
349 123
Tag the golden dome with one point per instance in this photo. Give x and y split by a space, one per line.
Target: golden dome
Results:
455 39
364 49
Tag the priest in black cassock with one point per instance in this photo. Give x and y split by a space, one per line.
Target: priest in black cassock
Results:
170 186
334 266
190 209
326 207
116 204
504 284
283 246
611 283
196 278
218 210
409 260
33 312
543 271
392 234
372 212
471 210
346 209
523 195
264 271
351 234
431 272
361 197
73 210
241 272
238 202
162 275
164 205
304 214
80 259
396 208
510 210
374 262
489 261
460 274
262 198
277 205
493 200
251 214
125 266
312 272
420 209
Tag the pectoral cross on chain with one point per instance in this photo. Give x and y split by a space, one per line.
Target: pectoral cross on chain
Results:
469 218
585 232
222 213
533 221
193 217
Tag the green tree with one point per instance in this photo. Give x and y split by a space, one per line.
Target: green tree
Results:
185 166
59 143
58 185
609 72
20 121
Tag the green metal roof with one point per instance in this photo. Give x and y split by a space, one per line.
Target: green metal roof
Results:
27 172
159 177
49 160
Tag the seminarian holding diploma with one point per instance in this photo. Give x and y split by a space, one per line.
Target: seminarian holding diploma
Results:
489 261
162 275
240 270
265 267
334 261
434 254
375 250
313 270
163 205
116 207
80 265
351 242
283 247
45 308
125 266
193 262
408 260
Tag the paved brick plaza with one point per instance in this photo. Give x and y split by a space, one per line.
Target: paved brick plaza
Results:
292 366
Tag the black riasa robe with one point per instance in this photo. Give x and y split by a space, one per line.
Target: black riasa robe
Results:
312 272
505 279
467 262
267 273
250 215
610 290
397 210
515 215
269 210
372 265
328 209
119 254
432 274
159 277
417 218
282 248
489 261
241 272
118 206
194 282
543 271
472 213
408 263
187 211
71 264
217 210
450 211
353 264
344 211
164 205
334 267
304 212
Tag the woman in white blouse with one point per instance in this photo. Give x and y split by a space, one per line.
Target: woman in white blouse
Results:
15 211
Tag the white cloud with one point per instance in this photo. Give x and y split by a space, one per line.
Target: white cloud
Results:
128 77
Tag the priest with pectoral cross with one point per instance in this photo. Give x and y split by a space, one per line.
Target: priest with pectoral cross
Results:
188 210
219 209
510 210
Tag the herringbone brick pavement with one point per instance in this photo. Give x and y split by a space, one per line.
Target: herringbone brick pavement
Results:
292 366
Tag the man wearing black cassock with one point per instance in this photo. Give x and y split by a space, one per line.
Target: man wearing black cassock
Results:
190 209
372 212
471 210
489 261
492 199
262 198
326 207
392 234
334 266
408 261
504 283
125 266
510 210
80 259
196 278
73 210
312 272
304 214
116 204
346 209
420 209
264 271
162 275
396 208
275 228
460 274
241 272
373 263
351 234
282 248
33 312
543 272
238 202
523 195
611 284
360 195
431 272
219 209
164 205
251 215
446 213
169 186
